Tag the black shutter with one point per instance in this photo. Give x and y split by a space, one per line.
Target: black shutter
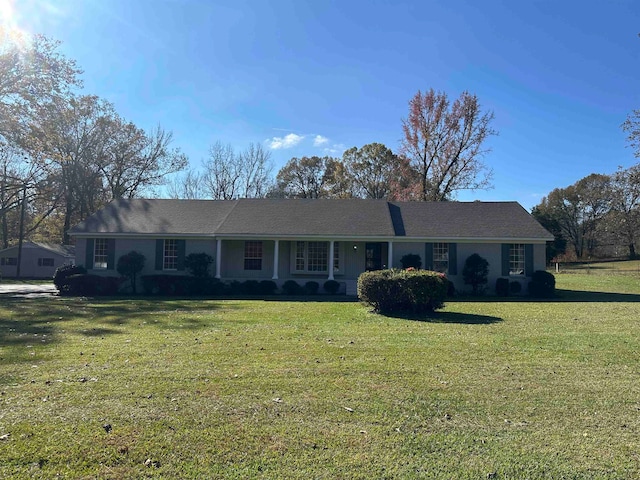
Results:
428 256
88 257
111 253
182 244
506 247
453 259
528 260
159 253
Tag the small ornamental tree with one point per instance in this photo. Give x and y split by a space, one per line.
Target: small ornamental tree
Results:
475 272
130 265
198 264
411 260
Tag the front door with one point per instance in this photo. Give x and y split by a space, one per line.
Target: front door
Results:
373 256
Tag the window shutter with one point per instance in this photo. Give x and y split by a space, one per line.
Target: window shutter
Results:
528 260
505 259
88 257
453 259
159 253
181 252
111 253
428 256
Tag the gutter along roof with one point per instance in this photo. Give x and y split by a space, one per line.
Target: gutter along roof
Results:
314 218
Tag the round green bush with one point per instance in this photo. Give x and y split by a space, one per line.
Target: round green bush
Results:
502 287
389 291
542 285
291 287
268 287
331 287
311 287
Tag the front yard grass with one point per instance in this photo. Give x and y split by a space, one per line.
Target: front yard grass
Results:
116 388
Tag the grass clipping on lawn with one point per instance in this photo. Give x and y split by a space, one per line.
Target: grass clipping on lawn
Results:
116 388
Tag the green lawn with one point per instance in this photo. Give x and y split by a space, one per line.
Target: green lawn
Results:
269 389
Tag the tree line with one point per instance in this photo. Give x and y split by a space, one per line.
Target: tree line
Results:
441 154
64 153
599 215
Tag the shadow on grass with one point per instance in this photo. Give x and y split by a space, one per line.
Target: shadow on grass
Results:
449 317
593 297
24 320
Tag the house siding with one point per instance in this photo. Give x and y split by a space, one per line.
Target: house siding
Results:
29 267
232 266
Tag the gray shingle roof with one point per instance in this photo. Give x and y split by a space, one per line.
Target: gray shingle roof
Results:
314 218
309 217
457 220
153 216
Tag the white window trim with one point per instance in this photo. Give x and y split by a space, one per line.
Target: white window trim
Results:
338 252
165 257
435 245
245 257
100 265
521 247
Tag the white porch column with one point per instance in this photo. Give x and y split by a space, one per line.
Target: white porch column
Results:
276 253
218 256
331 254
390 255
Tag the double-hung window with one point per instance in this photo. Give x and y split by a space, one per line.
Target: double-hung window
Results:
170 255
516 259
314 257
253 255
100 253
441 257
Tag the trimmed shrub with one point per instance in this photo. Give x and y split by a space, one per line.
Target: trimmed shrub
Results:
502 287
165 285
475 272
201 285
515 287
291 287
61 277
451 289
311 287
198 264
331 287
87 285
250 287
411 260
216 287
542 284
234 287
129 266
389 291
268 287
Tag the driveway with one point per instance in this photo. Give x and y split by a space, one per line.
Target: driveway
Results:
19 289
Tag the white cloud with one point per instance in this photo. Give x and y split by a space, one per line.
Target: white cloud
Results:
288 141
335 149
319 140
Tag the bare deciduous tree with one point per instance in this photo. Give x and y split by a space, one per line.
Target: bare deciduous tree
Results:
445 143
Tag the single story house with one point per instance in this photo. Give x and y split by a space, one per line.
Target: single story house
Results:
39 259
313 239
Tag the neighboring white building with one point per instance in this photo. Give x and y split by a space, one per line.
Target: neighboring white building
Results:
39 260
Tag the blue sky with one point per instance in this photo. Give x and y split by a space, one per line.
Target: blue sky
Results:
317 77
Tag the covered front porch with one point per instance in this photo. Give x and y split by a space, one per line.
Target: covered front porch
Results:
302 260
